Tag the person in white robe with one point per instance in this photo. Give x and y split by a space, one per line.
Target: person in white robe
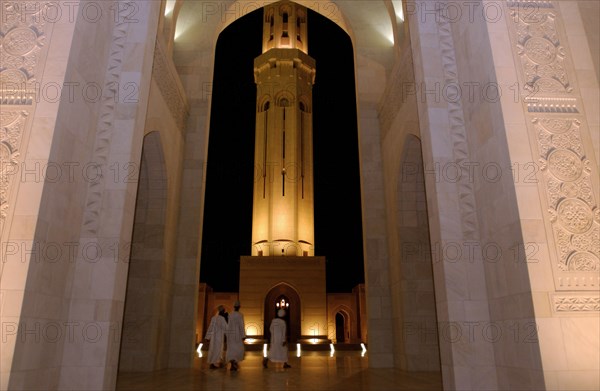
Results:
236 333
278 350
216 336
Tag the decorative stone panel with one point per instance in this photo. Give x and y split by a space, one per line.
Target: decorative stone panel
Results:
105 128
12 125
22 36
539 47
573 209
576 303
557 126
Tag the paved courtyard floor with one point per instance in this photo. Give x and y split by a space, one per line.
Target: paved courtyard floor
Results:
313 371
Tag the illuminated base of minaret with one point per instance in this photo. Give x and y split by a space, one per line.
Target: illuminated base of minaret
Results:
299 281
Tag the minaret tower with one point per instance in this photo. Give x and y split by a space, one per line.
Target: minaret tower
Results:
283 206
283 266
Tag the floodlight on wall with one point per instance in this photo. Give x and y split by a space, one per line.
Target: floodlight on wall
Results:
332 350
265 350
169 7
298 350
364 349
199 350
398 9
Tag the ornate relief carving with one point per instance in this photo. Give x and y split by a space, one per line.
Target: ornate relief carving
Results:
105 127
556 129
539 47
458 132
573 209
537 104
21 39
577 303
12 124
575 215
583 261
166 78
565 165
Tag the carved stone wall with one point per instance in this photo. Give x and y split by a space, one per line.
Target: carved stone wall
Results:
105 128
12 124
23 36
168 82
23 32
557 128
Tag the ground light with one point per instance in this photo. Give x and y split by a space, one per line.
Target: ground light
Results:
332 350
199 350
364 349
298 350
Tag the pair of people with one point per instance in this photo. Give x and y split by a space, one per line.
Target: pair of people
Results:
278 351
232 326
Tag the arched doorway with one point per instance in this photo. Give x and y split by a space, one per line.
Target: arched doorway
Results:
340 328
283 295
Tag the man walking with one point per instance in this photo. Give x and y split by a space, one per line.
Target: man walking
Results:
216 336
278 351
236 333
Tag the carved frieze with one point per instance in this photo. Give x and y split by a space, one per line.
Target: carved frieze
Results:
22 36
12 125
105 128
541 52
572 205
576 303
458 132
557 131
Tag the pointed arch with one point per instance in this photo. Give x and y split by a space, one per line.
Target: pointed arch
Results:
350 322
294 311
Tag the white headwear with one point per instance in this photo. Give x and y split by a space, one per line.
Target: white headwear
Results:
281 313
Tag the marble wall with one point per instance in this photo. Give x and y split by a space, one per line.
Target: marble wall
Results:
548 125
84 211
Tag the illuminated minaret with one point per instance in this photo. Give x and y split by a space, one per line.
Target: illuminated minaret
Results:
283 207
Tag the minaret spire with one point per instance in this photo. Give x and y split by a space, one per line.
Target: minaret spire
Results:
285 27
283 206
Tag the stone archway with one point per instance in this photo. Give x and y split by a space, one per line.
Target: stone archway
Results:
342 327
293 312
196 43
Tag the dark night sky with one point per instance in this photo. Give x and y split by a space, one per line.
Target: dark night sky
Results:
228 205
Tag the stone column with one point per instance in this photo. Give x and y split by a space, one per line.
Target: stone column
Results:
543 65
66 296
